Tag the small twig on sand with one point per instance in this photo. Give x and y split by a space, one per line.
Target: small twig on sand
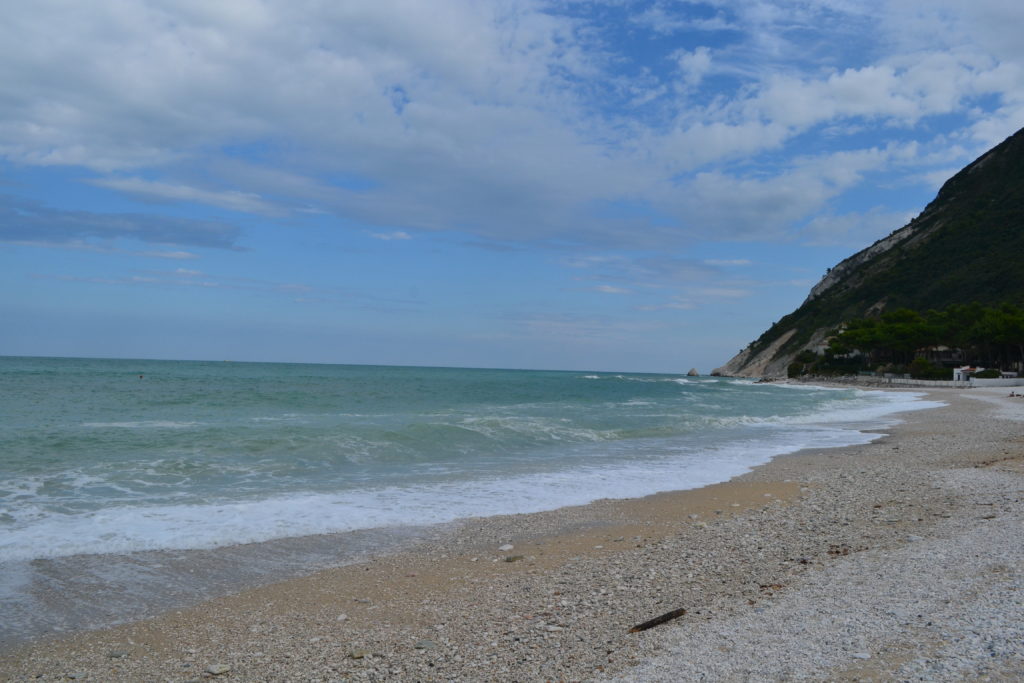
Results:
658 621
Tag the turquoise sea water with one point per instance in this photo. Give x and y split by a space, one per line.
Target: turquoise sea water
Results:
116 456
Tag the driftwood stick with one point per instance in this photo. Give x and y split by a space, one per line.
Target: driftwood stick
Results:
658 621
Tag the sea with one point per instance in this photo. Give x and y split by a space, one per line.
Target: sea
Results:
128 487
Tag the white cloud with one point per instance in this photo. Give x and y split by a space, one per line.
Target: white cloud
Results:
657 19
246 202
494 118
938 177
693 65
702 143
390 236
902 90
853 230
718 204
27 221
678 303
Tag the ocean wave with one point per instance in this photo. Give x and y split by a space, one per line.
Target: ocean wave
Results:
143 424
868 409
534 429
130 528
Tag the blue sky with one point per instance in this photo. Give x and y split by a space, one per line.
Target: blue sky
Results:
609 185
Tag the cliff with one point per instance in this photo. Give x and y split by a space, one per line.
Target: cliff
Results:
967 245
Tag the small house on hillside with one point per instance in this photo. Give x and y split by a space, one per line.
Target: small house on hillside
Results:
941 355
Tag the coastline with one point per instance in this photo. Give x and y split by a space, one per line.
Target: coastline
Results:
559 604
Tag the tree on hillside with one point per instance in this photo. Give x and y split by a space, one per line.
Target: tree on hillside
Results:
992 337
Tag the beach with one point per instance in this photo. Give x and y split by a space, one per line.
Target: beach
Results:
898 559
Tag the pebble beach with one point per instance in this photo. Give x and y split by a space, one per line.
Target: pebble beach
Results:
901 559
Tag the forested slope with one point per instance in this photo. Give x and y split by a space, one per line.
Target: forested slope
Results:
966 246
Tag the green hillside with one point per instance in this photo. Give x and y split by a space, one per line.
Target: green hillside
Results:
966 246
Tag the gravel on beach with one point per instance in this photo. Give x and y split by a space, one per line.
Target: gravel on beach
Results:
897 560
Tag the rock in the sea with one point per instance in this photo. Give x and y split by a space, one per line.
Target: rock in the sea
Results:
693 373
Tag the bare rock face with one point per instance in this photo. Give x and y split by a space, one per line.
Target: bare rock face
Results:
693 373
763 364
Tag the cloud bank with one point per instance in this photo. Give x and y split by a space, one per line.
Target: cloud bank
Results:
602 124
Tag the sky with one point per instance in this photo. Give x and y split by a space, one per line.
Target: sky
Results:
568 184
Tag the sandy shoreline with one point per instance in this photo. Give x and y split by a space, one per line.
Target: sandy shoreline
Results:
814 541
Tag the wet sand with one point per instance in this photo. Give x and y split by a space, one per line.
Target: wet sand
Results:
748 559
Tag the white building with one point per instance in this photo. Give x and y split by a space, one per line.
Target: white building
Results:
964 373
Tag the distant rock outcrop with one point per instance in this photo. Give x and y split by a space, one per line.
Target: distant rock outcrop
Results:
693 373
964 247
